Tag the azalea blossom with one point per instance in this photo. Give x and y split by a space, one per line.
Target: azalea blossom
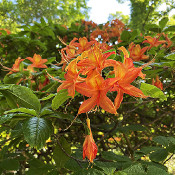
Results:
154 42
96 88
89 147
37 61
157 83
136 53
15 67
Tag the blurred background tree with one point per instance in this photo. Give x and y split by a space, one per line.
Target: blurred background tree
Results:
25 12
145 12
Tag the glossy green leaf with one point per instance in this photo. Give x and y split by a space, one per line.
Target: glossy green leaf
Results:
48 97
170 56
112 156
132 128
161 140
135 170
22 110
23 96
169 29
38 167
58 154
153 28
88 171
59 99
152 91
107 167
37 131
153 170
163 22
159 155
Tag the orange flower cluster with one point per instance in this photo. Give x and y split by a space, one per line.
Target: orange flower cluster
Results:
109 30
74 48
89 25
84 74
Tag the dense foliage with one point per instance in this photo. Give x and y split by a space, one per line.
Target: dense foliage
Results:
53 83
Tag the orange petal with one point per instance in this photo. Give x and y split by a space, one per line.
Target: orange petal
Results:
125 52
106 104
118 99
132 90
83 89
88 104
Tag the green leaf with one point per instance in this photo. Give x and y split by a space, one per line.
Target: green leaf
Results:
107 167
134 34
153 170
9 164
147 150
125 36
162 140
43 22
89 171
12 79
38 167
50 60
37 131
46 112
135 170
153 28
169 29
48 97
5 118
22 110
170 56
120 173
59 156
159 155
152 91
112 156
59 99
163 22
22 96
132 128
10 98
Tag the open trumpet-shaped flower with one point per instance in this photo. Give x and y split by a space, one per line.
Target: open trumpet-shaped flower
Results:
89 147
125 74
71 78
96 88
37 61
136 53
15 67
154 42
